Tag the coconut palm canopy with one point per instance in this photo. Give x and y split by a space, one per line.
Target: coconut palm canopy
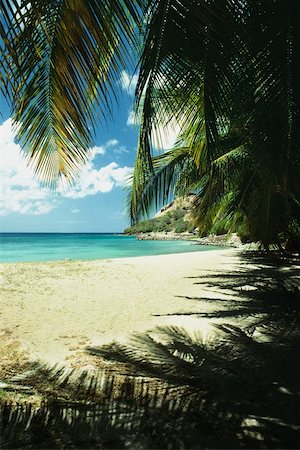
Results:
226 72
60 63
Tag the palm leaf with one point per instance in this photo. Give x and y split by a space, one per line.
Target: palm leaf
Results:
213 74
69 57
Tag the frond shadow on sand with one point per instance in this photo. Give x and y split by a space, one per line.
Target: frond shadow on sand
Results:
173 388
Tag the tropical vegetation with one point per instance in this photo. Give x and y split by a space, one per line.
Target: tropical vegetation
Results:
228 72
175 217
225 72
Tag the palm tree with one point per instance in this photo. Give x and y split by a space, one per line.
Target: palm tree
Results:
235 96
60 65
229 73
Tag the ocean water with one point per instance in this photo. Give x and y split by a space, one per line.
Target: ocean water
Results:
60 246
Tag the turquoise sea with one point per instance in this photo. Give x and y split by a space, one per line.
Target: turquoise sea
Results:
59 246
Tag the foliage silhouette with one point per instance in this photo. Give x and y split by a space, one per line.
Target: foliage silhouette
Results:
171 388
234 97
236 100
128 412
250 371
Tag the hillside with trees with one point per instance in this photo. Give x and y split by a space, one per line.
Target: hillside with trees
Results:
226 74
173 218
234 98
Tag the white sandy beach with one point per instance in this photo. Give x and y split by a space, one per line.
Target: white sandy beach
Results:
56 309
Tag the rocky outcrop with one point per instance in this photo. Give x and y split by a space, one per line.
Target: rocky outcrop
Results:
174 222
172 218
223 240
167 236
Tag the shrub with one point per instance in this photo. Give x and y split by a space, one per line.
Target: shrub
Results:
181 227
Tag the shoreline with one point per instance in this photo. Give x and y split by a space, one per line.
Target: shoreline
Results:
55 309
214 240
196 241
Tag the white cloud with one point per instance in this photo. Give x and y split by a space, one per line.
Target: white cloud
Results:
111 143
101 149
165 136
75 211
121 149
132 119
97 150
93 181
21 193
128 82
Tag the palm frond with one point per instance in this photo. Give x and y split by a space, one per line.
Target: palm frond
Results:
69 58
231 90
172 176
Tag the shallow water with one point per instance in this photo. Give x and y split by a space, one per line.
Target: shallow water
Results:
59 246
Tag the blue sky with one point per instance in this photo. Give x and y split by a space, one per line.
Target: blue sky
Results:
97 203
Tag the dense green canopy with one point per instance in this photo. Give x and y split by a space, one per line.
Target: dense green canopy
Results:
226 72
229 73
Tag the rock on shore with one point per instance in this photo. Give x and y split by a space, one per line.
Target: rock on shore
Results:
222 240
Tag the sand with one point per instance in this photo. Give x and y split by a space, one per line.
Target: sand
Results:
56 309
